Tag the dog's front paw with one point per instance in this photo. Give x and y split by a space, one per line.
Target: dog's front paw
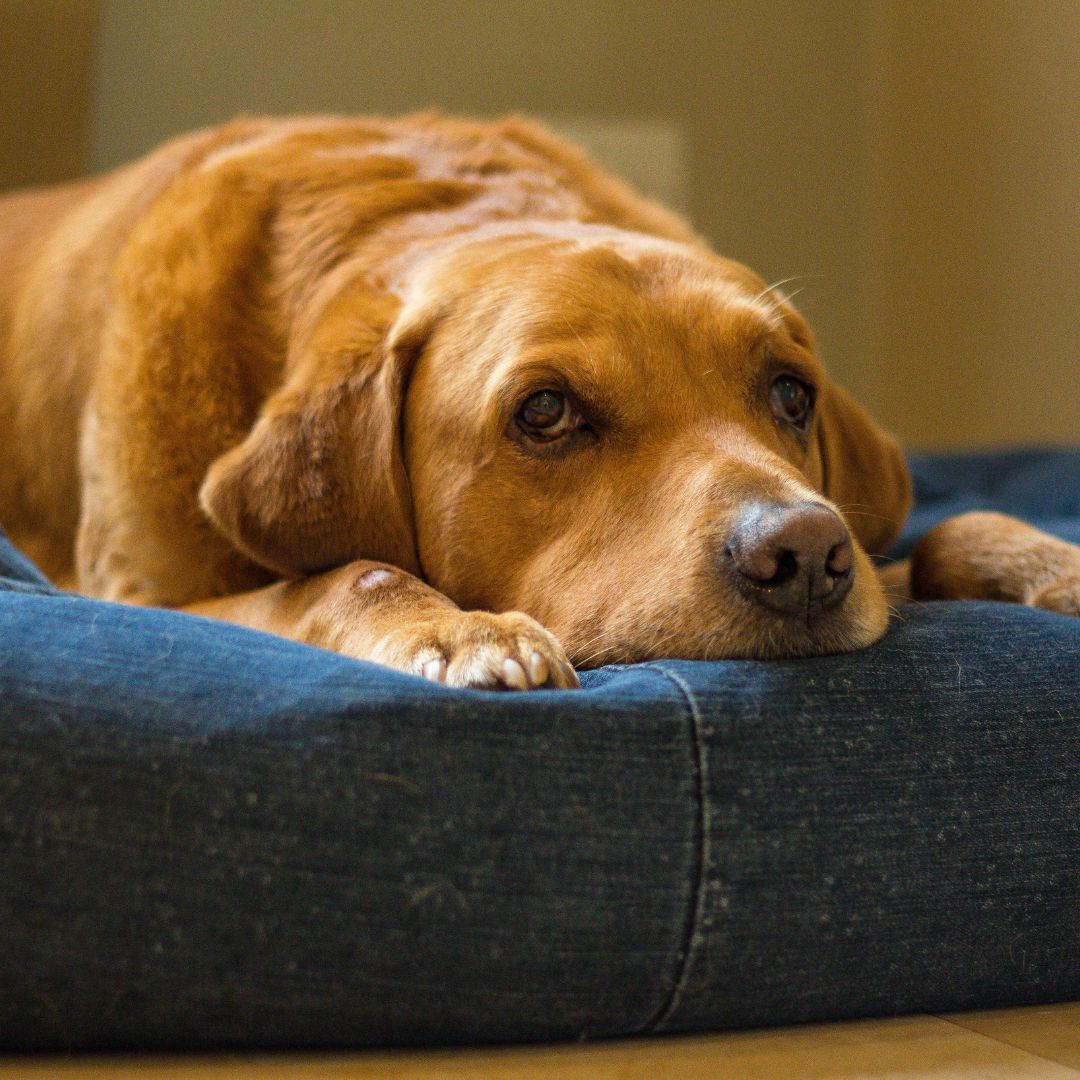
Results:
478 649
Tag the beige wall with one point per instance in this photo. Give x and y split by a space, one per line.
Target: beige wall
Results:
46 58
974 235
766 98
915 165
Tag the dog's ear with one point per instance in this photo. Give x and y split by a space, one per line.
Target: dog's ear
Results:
320 479
863 470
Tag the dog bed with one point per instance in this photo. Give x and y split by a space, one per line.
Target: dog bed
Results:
213 838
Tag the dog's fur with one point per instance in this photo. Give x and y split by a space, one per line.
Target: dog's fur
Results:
271 373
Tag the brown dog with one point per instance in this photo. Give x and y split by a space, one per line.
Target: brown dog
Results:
385 386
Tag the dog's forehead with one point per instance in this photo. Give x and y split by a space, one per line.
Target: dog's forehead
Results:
647 292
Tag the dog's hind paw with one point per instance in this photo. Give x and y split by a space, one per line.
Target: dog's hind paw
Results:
1061 596
982 555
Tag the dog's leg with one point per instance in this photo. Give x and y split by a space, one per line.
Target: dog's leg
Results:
988 556
373 611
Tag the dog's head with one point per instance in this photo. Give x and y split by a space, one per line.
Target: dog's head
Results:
629 439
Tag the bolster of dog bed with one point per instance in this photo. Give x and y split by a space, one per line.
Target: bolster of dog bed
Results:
214 838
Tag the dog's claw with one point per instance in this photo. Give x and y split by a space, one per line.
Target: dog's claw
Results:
435 670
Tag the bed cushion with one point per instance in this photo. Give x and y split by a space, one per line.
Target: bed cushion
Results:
1040 485
214 838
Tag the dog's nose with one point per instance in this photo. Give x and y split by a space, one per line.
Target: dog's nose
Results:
795 559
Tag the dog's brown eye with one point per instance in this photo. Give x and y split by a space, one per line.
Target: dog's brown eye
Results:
791 400
548 422
543 410
546 416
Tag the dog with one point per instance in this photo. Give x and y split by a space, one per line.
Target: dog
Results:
446 396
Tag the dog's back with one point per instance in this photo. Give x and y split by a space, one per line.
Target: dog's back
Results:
40 374
57 248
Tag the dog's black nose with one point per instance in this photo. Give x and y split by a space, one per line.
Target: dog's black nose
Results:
795 559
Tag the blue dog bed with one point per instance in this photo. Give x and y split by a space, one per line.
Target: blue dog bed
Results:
213 838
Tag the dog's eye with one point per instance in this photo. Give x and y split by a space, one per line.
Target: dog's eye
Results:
544 409
546 415
792 400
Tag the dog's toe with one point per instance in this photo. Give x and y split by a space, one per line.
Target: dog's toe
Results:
483 651
506 652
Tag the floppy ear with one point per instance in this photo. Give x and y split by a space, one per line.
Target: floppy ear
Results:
864 472
320 479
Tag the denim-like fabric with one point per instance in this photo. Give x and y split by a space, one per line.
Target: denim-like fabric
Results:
891 831
211 837
17 572
1041 486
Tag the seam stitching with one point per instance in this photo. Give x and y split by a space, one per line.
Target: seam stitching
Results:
696 911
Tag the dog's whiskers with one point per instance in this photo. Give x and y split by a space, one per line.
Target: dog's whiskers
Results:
596 656
851 512
774 286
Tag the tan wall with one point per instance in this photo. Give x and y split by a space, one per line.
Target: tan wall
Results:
766 96
915 165
46 57
975 227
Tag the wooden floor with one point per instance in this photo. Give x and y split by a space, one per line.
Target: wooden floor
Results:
1041 1043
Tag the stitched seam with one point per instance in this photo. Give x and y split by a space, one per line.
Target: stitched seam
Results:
696 910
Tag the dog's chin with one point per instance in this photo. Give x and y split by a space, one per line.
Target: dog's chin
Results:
837 631
734 629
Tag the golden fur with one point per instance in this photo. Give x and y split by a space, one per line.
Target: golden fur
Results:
267 374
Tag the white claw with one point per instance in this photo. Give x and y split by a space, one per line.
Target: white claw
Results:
513 675
538 669
435 670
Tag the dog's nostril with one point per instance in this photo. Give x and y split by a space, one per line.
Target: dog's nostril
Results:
787 567
839 559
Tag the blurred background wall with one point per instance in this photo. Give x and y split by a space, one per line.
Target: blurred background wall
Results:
46 85
915 167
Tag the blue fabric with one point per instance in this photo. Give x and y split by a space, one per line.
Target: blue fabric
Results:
214 838
17 572
1041 486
